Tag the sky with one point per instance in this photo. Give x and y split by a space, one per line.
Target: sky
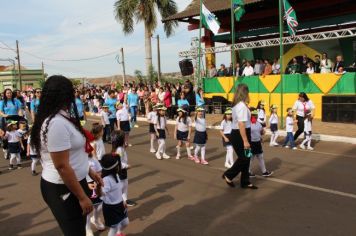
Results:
75 29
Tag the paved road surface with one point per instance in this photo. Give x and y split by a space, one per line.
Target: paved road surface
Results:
311 193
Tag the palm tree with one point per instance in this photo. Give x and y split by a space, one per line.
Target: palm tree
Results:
127 12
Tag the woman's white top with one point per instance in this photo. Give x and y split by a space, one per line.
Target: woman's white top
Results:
163 123
62 136
123 157
325 68
310 71
226 126
256 130
273 119
200 124
241 113
307 125
301 107
94 164
151 117
183 127
261 117
248 70
13 136
289 124
161 96
99 148
112 191
122 114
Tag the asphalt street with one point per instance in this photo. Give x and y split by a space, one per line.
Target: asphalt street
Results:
310 193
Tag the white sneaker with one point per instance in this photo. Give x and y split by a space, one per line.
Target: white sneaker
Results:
302 146
310 148
178 157
89 232
286 146
271 144
98 225
295 148
152 150
165 156
275 144
158 156
227 165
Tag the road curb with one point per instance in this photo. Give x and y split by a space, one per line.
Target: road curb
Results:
282 133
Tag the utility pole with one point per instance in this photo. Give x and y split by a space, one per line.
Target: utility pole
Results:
43 75
158 58
18 63
123 66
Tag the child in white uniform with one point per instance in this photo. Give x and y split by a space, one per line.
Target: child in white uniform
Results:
104 116
161 129
151 118
256 145
289 129
182 132
98 143
123 120
114 207
14 139
200 136
31 153
261 113
273 123
307 131
225 131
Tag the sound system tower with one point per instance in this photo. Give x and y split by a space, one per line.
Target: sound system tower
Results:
186 67
339 108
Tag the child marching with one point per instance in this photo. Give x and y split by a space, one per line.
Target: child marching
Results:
104 116
273 123
182 132
114 207
151 118
307 131
200 137
161 130
225 131
123 120
256 145
261 113
289 129
15 145
31 153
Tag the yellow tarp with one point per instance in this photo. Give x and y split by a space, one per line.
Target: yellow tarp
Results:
270 81
226 83
325 82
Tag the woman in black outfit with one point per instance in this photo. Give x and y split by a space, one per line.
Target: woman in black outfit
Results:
240 138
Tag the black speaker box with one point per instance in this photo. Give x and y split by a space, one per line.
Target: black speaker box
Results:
186 67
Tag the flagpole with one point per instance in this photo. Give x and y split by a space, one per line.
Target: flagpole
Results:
281 56
233 39
199 49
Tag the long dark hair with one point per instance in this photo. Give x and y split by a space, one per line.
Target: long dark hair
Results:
184 116
304 95
6 99
117 139
259 106
57 95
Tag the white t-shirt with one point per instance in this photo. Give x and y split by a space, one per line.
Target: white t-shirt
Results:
200 124
226 126
151 117
256 130
163 123
183 127
307 126
122 114
273 119
310 70
289 124
123 157
261 117
300 107
248 70
105 117
241 113
61 136
94 164
32 151
99 148
13 136
112 191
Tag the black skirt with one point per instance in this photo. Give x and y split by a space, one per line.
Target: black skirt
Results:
200 137
256 148
274 127
125 126
14 148
114 214
227 143
161 134
151 128
182 136
123 174
33 156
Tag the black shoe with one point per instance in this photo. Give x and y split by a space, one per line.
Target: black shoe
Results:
228 182
34 173
11 167
267 174
252 175
130 203
250 186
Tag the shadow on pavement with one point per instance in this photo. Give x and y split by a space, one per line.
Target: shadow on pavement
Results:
140 177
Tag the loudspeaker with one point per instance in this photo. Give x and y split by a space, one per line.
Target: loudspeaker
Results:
186 67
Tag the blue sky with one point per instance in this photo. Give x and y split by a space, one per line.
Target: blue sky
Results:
72 29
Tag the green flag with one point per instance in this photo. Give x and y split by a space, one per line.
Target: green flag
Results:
291 17
239 8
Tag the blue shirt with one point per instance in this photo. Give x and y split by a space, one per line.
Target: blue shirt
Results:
111 102
183 102
11 108
199 100
80 107
34 105
132 99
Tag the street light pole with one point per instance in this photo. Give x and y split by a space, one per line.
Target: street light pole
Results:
19 63
123 66
158 58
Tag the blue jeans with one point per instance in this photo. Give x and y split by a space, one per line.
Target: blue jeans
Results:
107 133
289 138
133 111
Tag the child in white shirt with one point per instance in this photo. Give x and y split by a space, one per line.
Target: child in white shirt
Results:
273 122
104 116
200 137
182 132
15 145
307 131
151 118
225 131
31 153
289 128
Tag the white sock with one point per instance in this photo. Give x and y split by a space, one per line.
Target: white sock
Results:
34 163
251 161
125 184
13 157
202 153
160 146
275 137
304 141
113 231
189 152
97 212
152 141
308 138
178 150
163 142
230 154
196 151
261 162
88 224
18 158
272 139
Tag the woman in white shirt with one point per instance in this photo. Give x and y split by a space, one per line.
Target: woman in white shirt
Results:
310 68
301 106
325 64
64 149
248 70
240 138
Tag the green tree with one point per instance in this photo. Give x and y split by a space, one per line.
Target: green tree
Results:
127 12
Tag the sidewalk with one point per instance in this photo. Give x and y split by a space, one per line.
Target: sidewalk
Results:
322 131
